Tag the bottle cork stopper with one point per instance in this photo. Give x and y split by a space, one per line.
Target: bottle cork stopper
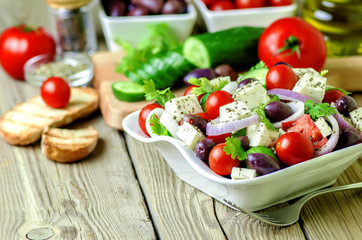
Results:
68 4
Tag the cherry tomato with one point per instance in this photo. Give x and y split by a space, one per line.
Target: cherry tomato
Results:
221 5
209 2
204 115
219 138
281 76
215 101
304 125
293 148
20 43
143 115
189 89
221 163
251 3
332 96
55 92
294 41
276 3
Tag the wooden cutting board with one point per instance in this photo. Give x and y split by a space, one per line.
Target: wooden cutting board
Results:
344 72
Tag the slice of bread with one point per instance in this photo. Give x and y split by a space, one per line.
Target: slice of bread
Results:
68 145
24 124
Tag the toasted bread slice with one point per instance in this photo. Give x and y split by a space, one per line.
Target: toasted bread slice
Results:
68 145
24 124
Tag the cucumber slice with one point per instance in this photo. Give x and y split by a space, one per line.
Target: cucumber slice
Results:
259 73
134 77
128 91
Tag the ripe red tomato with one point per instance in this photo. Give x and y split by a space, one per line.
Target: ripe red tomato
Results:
281 76
304 125
276 3
221 5
55 92
219 138
293 148
332 96
143 115
294 41
188 92
215 101
204 115
221 163
208 2
251 3
20 43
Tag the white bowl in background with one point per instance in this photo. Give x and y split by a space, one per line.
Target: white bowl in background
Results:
256 17
134 28
253 194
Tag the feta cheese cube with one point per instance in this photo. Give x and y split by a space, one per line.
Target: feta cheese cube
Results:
190 134
323 126
260 135
252 94
179 107
310 83
242 173
234 111
356 117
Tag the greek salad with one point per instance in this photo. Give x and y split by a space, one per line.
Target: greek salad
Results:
266 120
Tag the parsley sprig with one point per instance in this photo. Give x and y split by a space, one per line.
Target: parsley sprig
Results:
161 96
157 127
316 110
233 147
204 85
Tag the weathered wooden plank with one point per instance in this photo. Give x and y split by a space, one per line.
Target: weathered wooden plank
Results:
97 198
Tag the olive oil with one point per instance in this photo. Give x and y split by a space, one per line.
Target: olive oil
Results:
341 23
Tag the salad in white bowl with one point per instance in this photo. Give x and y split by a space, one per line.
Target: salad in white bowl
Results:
266 127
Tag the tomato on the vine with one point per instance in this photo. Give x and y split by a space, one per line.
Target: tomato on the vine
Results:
332 95
281 76
275 3
188 91
143 115
293 148
55 92
220 162
294 41
215 101
221 5
251 3
20 43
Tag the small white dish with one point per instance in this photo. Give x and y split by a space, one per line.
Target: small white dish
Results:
254 194
256 17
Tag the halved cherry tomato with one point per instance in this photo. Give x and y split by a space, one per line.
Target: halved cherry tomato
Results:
276 3
304 125
221 5
204 115
219 138
251 3
215 101
221 163
143 115
332 96
293 148
281 76
188 91
55 92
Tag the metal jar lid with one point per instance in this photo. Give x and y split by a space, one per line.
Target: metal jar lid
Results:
68 4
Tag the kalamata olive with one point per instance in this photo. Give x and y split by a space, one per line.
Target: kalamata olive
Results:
197 121
116 8
284 63
138 11
203 149
154 6
198 73
244 142
173 7
262 163
346 104
277 111
347 138
226 70
246 81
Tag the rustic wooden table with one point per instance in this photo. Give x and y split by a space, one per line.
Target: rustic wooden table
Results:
125 190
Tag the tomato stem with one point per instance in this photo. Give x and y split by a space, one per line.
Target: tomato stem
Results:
291 43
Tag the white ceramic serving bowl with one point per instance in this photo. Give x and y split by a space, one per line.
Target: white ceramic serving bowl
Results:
258 17
134 28
253 194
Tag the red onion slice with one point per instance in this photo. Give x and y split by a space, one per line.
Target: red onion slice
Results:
344 124
333 140
285 94
298 108
214 129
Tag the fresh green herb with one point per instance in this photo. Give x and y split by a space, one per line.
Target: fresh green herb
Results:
159 40
241 132
339 89
151 93
233 147
259 65
273 98
324 72
204 85
262 117
203 101
157 127
316 110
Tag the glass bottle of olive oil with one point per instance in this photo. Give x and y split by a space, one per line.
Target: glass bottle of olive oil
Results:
341 23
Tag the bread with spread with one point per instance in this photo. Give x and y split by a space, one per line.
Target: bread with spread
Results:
25 123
